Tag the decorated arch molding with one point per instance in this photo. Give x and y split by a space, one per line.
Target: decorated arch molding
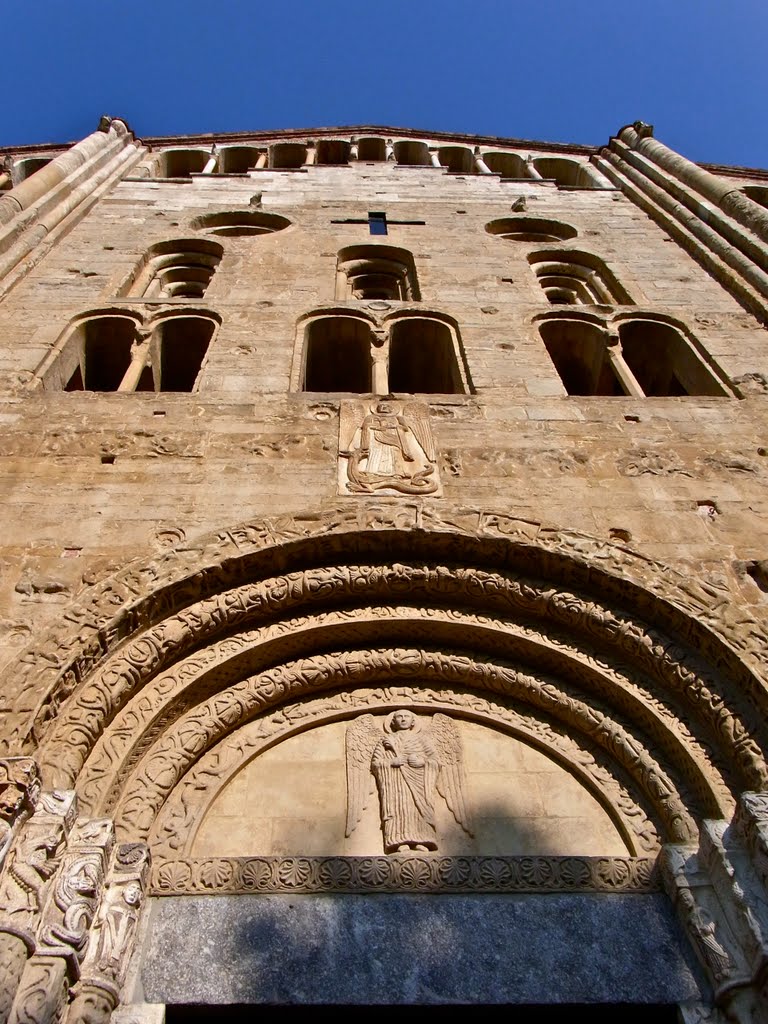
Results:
647 683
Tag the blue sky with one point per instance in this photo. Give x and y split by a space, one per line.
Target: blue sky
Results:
556 70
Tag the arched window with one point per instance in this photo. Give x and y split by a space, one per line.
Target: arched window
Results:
178 346
287 155
376 272
408 355
337 355
577 278
508 165
530 229
333 151
237 159
569 173
111 352
23 169
180 163
422 358
371 148
580 352
646 358
457 159
664 362
411 153
179 269
757 193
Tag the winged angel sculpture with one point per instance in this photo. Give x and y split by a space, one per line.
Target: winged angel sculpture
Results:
411 760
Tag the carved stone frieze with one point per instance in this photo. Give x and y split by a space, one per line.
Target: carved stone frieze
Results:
75 893
111 936
636 696
702 610
404 873
33 860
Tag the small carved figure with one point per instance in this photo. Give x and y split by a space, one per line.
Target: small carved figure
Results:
116 926
411 762
393 450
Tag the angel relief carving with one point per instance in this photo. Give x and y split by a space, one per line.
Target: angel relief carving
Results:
410 761
386 447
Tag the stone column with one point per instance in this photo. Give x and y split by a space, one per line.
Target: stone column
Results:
724 194
261 160
111 939
24 885
532 172
720 891
435 158
64 923
213 159
311 156
48 177
481 165
139 358
390 150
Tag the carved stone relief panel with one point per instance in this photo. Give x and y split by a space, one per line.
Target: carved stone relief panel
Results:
386 447
368 786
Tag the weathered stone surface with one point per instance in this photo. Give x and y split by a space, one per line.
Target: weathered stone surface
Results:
411 949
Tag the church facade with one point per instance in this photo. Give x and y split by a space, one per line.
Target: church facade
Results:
383 604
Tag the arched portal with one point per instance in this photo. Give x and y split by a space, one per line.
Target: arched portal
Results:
579 706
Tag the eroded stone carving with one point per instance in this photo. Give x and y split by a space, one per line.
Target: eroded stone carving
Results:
111 936
386 448
19 793
412 762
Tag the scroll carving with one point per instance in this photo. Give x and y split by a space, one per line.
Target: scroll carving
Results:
77 730
704 611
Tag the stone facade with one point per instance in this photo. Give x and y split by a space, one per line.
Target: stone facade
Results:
383 556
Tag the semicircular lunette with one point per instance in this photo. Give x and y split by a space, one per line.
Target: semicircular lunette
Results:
176 829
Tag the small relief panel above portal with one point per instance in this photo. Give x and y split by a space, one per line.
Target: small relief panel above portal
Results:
386 447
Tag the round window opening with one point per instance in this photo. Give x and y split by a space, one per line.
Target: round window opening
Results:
240 223
530 229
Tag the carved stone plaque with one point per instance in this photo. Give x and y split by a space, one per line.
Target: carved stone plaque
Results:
386 447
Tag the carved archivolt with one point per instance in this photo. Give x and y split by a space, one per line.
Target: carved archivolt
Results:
657 674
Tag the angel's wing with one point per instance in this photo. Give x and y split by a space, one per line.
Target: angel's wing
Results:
362 736
450 780
419 424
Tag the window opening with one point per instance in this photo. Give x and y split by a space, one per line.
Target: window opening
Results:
422 358
109 354
413 355
376 272
338 355
577 278
646 359
183 343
